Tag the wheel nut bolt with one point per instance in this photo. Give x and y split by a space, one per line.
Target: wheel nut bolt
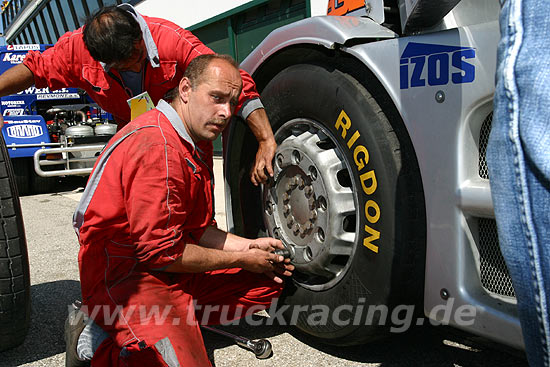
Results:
286 210
313 215
286 197
290 222
280 160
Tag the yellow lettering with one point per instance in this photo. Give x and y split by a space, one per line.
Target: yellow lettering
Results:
372 218
367 241
352 140
343 121
358 161
370 175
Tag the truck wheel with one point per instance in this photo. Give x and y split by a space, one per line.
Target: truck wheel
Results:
347 199
15 304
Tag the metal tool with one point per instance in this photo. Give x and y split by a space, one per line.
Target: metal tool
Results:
261 347
284 252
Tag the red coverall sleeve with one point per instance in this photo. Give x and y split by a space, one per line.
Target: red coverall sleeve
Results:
156 188
57 67
191 47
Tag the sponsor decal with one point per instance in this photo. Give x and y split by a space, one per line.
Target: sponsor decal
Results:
14 58
367 176
24 131
13 103
31 47
57 96
424 64
343 7
14 112
27 121
45 93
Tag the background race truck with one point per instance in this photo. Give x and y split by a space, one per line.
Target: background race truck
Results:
49 133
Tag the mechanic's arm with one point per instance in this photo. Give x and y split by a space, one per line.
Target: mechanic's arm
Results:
15 80
197 259
250 108
261 128
217 239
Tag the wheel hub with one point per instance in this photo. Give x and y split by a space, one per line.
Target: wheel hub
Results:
305 205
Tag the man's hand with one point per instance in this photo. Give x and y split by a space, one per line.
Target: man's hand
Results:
269 244
261 128
260 261
263 169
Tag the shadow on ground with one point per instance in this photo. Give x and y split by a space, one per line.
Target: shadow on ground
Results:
420 346
49 303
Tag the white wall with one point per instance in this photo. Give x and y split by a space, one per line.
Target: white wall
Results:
318 7
186 13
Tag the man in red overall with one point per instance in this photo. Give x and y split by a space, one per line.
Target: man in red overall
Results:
119 54
149 244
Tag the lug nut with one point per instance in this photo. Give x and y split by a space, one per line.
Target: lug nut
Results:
290 221
313 215
286 210
280 160
286 197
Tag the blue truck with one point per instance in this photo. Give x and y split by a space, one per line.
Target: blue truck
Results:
48 133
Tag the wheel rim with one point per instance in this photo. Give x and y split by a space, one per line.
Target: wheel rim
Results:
310 203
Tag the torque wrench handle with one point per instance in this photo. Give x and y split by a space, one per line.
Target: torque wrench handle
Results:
261 348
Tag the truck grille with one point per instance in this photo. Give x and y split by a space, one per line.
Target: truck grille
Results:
494 273
483 140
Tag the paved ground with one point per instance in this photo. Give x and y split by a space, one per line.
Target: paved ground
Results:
54 276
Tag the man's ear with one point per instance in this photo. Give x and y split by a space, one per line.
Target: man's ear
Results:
185 89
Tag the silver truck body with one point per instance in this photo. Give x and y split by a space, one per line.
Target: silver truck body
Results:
441 80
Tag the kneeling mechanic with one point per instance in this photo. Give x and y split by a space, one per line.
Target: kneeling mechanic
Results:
149 244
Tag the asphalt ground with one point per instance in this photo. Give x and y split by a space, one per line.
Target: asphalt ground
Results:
53 250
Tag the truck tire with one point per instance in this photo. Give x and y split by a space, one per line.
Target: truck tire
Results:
15 304
347 198
22 175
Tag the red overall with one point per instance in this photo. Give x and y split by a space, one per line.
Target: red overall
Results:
152 196
69 64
